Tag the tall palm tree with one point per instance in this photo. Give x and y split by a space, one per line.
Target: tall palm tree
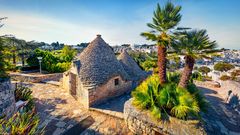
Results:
192 44
165 19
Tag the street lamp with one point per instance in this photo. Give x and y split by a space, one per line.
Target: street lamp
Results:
40 61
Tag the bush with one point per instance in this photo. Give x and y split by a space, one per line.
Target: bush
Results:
25 94
149 65
197 76
204 70
222 66
51 62
225 77
168 99
3 74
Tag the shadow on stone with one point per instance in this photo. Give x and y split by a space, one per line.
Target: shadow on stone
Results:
80 127
115 104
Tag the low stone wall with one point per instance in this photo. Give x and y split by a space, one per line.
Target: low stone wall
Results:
7 99
36 78
213 84
140 122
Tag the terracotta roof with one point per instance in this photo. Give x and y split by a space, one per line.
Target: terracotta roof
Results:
98 63
131 67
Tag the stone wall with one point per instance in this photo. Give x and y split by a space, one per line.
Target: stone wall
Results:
36 78
140 122
109 90
229 85
65 81
7 99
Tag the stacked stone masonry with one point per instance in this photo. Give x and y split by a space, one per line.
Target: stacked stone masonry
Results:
7 100
36 78
140 122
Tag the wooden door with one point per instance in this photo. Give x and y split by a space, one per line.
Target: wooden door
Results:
73 84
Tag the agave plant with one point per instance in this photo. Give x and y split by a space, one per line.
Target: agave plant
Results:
165 19
21 124
25 94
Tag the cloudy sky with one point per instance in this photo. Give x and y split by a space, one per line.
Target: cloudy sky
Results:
118 21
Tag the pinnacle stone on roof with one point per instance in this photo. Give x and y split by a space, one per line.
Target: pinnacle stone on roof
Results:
131 67
99 63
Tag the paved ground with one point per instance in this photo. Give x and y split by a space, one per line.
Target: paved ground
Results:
60 113
220 119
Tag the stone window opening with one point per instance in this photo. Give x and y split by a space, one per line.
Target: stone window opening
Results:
116 82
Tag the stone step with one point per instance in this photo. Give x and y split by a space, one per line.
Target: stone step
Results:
109 112
55 83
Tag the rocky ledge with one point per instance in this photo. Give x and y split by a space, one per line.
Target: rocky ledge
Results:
140 122
7 99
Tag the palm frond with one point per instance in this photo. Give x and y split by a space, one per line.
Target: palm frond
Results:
149 36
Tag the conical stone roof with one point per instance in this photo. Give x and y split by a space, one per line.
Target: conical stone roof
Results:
98 63
131 67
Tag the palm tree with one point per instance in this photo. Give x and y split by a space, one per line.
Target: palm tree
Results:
192 44
164 20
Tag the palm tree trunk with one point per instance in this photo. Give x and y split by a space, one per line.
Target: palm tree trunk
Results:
162 62
187 71
23 62
14 57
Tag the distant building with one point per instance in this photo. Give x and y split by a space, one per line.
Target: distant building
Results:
98 75
47 47
145 48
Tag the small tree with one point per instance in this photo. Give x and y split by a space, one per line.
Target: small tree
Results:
204 70
223 66
2 62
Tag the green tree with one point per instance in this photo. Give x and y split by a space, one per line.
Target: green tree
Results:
223 66
193 44
148 65
165 19
2 61
204 70
68 53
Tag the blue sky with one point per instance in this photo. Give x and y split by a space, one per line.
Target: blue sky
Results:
118 21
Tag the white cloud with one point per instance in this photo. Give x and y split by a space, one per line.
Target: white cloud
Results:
40 28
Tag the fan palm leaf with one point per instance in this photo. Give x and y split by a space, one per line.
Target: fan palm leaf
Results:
193 44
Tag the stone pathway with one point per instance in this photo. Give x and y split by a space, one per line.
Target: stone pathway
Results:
220 118
60 113
58 110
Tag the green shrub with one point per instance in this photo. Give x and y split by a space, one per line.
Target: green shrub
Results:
25 94
223 66
21 124
149 65
168 99
204 70
197 76
51 62
3 74
225 77
173 77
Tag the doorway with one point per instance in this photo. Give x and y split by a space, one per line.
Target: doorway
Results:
73 84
